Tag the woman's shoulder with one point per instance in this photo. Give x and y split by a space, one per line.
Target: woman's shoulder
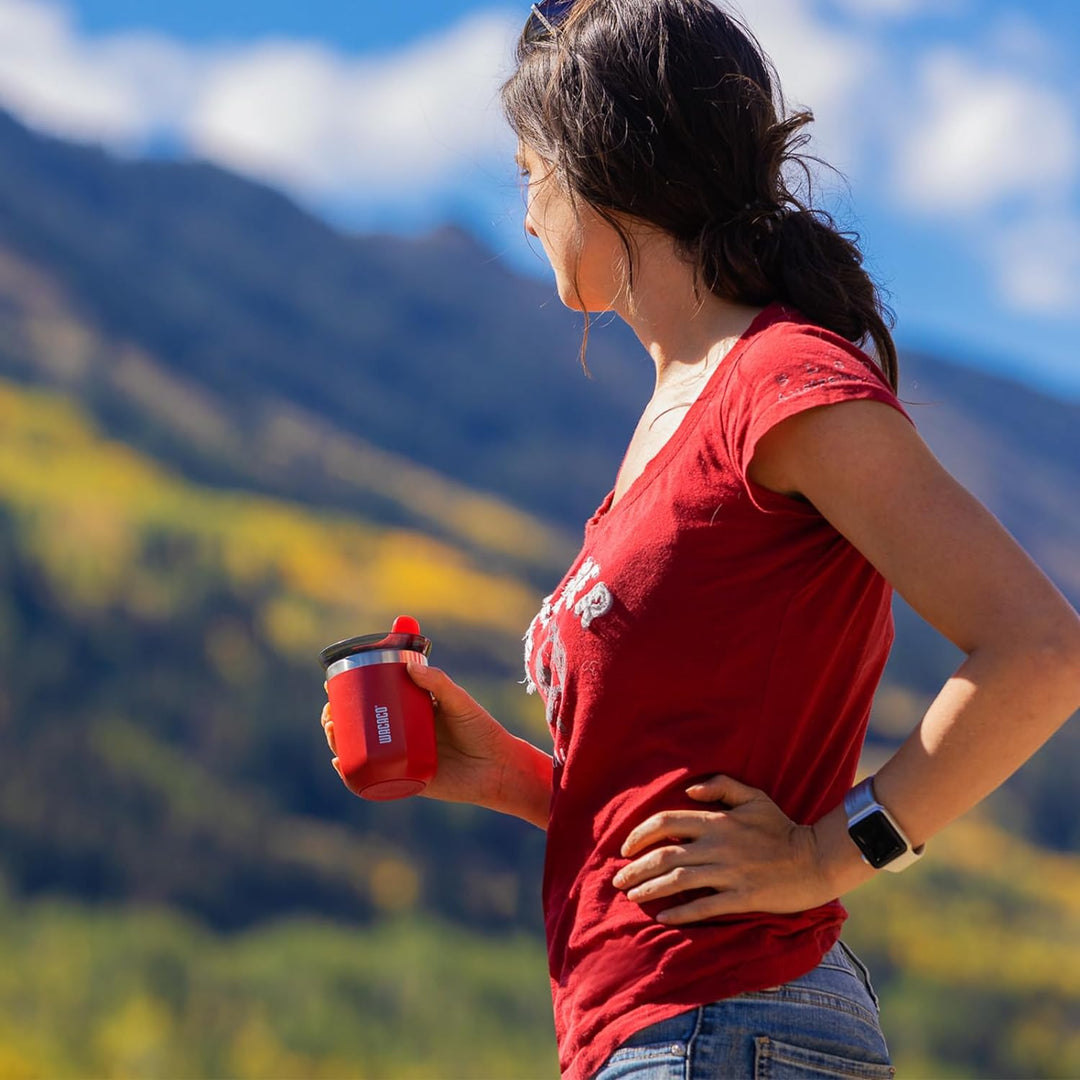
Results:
790 365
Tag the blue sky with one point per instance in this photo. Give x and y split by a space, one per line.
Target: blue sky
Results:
957 123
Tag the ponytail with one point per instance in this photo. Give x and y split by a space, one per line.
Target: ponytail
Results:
778 248
798 256
819 271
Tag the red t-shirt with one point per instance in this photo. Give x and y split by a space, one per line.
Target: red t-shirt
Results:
708 625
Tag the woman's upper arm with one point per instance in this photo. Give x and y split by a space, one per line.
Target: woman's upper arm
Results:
869 473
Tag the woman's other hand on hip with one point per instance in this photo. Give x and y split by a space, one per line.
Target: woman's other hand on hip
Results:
751 854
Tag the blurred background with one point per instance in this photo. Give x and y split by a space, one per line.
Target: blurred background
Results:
278 364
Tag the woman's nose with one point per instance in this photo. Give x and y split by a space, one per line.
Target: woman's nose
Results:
530 228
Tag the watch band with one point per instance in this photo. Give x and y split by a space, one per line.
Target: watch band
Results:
861 806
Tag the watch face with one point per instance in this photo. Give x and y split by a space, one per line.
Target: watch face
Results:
877 839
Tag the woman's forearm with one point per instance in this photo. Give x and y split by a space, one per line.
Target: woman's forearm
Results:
524 787
990 717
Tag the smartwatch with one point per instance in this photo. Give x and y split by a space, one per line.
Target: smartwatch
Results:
875 831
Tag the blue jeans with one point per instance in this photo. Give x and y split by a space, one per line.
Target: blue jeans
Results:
823 1024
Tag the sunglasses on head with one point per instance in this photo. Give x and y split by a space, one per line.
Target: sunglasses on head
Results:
545 19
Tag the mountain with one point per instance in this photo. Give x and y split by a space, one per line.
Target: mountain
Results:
209 321
285 332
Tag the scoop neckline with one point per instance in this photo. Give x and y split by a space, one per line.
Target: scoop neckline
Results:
656 464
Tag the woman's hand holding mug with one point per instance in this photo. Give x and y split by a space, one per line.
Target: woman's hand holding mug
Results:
473 747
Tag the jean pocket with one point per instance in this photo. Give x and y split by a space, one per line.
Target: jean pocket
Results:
861 971
775 1060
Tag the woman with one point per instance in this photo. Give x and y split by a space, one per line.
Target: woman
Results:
709 660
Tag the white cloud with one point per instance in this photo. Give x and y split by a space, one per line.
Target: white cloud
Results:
297 113
979 136
117 89
1037 262
309 117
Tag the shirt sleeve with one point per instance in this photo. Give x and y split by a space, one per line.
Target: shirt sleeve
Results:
779 374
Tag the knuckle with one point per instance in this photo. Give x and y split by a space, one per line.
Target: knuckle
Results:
664 858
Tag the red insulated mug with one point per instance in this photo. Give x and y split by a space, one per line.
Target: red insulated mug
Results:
384 724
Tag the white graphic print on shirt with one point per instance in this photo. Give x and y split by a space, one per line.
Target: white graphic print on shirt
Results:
595 603
543 635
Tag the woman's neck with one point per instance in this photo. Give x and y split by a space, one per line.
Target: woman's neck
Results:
684 336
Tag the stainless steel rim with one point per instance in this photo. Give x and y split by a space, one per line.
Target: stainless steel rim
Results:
376 656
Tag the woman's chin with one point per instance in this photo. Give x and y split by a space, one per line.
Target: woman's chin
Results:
574 302
569 297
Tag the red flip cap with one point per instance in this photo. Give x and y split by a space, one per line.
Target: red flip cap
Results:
405 624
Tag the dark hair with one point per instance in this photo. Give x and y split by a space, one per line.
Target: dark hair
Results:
669 112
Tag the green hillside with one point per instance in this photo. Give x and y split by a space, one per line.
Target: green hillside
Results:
92 512
159 735
975 955
280 449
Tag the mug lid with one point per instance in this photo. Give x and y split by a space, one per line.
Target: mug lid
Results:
366 642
